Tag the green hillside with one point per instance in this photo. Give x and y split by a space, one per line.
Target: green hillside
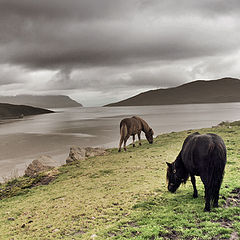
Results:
124 196
222 90
17 111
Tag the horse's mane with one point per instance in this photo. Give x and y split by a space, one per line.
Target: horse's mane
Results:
144 124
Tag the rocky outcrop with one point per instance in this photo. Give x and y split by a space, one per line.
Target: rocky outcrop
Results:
79 153
42 164
76 154
91 152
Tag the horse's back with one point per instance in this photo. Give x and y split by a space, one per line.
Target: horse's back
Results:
199 151
133 125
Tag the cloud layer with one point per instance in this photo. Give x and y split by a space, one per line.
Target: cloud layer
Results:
91 48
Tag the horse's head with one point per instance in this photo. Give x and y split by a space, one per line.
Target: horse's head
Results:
149 136
173 177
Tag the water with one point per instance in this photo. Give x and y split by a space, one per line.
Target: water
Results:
25 139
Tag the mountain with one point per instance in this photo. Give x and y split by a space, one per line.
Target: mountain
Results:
48 101
18 111
200 91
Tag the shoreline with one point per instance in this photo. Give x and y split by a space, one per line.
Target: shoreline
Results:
60 156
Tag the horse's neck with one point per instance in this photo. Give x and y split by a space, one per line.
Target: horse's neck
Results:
179 166
145 127
178 161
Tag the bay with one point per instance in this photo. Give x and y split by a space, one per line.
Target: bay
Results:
25 139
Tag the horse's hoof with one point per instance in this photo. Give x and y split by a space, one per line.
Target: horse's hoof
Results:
206 209
195 195
133 145
215 205
119 150
125 149
140 144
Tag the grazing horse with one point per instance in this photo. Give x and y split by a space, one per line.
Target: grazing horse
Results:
204 156
130 127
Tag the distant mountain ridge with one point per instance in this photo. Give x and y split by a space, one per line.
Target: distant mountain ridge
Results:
19 111
201 91
42 101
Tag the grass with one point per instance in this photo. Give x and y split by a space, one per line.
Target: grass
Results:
124 196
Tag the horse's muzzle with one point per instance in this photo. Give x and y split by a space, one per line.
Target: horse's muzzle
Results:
172 188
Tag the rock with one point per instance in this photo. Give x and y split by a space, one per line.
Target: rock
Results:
42 164
91 152
76 154
79 153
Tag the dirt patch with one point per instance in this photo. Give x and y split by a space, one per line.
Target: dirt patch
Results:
44 180
234 199
234 236
171 235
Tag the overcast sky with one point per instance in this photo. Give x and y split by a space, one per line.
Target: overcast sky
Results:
102 51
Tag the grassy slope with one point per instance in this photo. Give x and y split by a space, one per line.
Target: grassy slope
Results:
124 196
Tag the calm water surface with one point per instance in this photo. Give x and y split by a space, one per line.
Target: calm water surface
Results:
53 134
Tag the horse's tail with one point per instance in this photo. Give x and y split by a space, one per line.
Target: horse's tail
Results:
217 162
123 130
123 134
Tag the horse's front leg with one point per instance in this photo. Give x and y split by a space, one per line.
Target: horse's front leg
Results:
133 140
139 138
195 192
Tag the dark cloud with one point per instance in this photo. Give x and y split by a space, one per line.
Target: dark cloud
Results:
61 10
102 45
52 34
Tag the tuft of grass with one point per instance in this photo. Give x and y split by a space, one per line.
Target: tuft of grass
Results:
124 196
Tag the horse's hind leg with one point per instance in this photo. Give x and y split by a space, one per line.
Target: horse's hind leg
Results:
125 141
120 144
195 192
216 196
207 198
133 140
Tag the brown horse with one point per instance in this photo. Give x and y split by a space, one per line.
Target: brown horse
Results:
130 127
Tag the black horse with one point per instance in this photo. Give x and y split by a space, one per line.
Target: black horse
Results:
204 156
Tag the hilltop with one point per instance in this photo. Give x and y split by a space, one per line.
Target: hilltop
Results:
200 91
42 101
124 196
19 111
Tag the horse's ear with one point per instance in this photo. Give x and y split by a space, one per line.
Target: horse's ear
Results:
169 164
